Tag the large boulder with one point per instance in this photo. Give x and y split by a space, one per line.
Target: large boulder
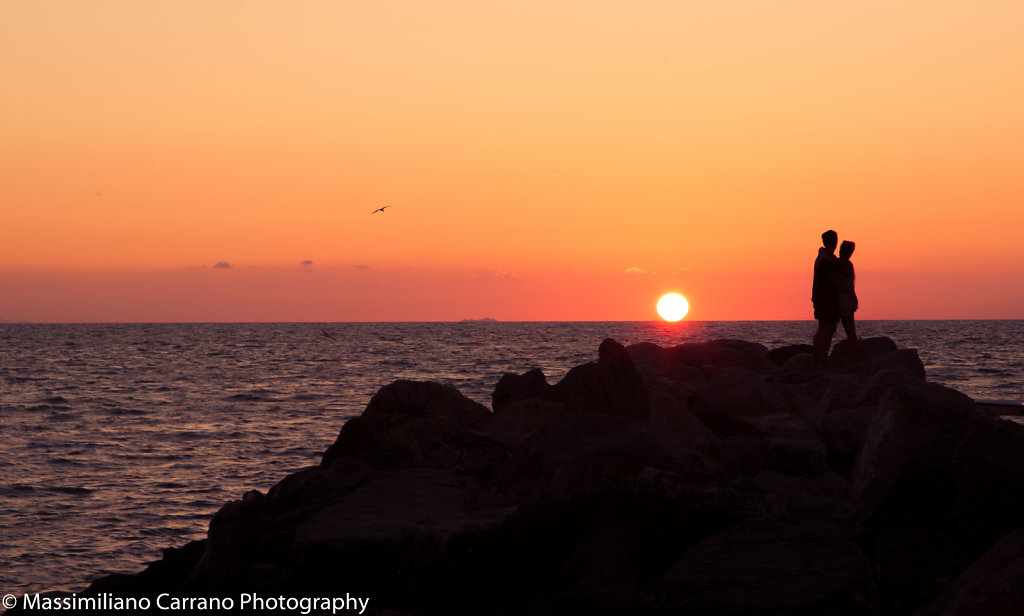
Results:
992 585
416 423
741 392
782 355
582 453
845 353
724 353
598 552
936 484
989 466
665 365
794 500
695 449
612 386
780 442
517 387
761 568
411 538
518 420
905 471
906 361
844 431
792 447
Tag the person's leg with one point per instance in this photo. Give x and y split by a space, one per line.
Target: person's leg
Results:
826 328
823 340
829 332
850 327
817 344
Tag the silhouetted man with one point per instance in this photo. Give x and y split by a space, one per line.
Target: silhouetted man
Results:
825 296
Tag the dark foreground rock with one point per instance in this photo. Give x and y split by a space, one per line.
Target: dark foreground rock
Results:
710 478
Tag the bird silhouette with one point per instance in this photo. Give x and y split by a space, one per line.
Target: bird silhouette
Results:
380 209
328 335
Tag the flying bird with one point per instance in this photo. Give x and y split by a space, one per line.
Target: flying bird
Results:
380 209
328 335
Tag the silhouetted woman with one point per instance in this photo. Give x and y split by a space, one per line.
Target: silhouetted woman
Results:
844 282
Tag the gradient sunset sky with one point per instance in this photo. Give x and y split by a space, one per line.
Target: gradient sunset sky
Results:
204 160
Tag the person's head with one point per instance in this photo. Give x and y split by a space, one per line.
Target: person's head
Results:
846 249
829 239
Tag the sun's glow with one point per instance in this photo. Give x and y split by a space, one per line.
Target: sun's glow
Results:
673 307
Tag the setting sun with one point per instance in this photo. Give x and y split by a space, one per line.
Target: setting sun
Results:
673 307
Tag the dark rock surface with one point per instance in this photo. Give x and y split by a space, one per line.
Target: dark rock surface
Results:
992 585
707 478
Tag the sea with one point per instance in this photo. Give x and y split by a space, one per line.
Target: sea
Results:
119 440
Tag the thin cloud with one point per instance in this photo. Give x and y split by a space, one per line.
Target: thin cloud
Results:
638 270
307 263
362 267
499 274
221 265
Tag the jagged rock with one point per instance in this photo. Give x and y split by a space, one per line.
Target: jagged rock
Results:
584 452
782 355
725 353
409 538
989 465
906 361
881 381
663 365
739 392
517 387
769 568
596 554
992 585
694 448
170 572
779 442
936 483
409 422
800 499
521 419
800 362
650 358
612 386
792 446
844 431
742 455
843 355
874 355
905 471
844 390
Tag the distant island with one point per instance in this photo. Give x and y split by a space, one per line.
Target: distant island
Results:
483 320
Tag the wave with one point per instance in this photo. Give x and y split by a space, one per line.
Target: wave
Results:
121 411
77 491
22 489
255 396
47 407
171 485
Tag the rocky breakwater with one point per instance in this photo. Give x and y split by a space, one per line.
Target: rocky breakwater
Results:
707 478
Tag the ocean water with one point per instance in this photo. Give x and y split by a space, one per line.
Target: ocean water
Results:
120 440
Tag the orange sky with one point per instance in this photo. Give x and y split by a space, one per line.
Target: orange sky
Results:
545 160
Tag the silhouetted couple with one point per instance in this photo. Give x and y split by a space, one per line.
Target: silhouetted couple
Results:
833 295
